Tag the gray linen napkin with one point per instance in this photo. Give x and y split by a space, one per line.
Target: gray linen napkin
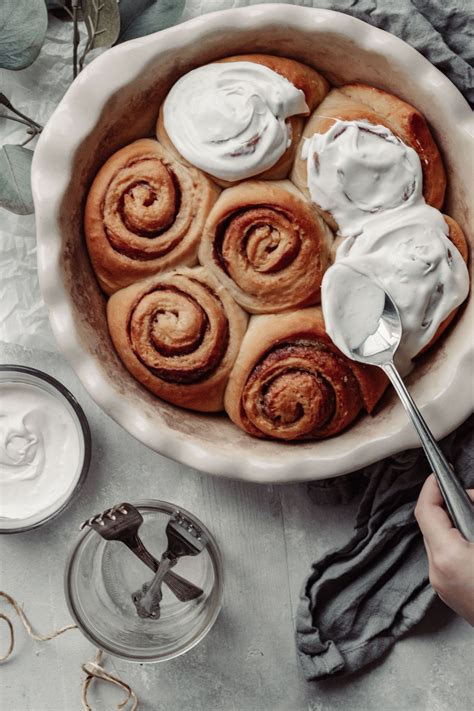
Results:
363 597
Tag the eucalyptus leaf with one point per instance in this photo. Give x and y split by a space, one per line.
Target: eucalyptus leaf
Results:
130 10
142 17
23 26
15 179
102 20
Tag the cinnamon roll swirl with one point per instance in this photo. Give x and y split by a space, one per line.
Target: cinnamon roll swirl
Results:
144 214
178 334
240 117
268 246
290 382
364 151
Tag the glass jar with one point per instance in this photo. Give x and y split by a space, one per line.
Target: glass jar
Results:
102 575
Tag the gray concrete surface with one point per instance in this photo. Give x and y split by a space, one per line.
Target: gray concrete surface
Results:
248 661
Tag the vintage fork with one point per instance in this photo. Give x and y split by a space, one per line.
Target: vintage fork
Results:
121 523
184 538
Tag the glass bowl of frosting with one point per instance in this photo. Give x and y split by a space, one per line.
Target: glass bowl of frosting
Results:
45 447
101 576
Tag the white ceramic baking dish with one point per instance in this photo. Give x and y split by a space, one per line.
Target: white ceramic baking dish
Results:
114 101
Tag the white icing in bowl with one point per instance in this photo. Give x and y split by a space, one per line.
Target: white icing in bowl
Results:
44 448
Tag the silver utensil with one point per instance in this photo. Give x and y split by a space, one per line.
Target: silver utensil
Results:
121 523
379 349
183 539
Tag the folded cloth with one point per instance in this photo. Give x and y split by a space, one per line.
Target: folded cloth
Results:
363 597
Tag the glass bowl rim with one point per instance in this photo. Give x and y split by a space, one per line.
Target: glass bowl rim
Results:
216 558
84 429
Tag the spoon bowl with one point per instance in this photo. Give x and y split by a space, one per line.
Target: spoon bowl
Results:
380 347
374 341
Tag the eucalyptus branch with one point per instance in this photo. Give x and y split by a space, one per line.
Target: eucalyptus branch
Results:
75 35
32 135
33 128
92 31
13 118
68 11
65 8
88 45
26 119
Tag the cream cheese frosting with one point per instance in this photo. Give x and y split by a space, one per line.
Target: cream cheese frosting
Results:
40 452
372 184
410 256
353 307
357 170
229 119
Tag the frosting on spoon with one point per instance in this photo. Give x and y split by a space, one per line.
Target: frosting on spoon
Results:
229 119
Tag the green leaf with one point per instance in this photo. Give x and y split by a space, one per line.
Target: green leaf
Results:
23 26
102 20
129 11
15 179
142 17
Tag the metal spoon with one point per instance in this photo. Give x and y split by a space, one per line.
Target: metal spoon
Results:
379 349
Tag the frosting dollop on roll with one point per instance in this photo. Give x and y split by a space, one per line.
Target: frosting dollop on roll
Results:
411 257
229 119
357 170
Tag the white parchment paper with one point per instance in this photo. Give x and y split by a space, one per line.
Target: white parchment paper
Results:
36 91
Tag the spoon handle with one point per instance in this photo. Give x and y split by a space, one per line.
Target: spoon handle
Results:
458 503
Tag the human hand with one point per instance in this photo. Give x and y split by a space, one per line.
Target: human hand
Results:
450 556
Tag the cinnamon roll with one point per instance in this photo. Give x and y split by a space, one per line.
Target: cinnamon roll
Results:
144 214
290 382
178 334
364 151
240 117
268 246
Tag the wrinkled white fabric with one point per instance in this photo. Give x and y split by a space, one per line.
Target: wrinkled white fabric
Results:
35 91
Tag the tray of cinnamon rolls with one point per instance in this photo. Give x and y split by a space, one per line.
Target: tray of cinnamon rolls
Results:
213 242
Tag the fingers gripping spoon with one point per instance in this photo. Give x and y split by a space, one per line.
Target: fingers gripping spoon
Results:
378 348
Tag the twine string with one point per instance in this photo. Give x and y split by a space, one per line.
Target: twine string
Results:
26 624
93 670
12 637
